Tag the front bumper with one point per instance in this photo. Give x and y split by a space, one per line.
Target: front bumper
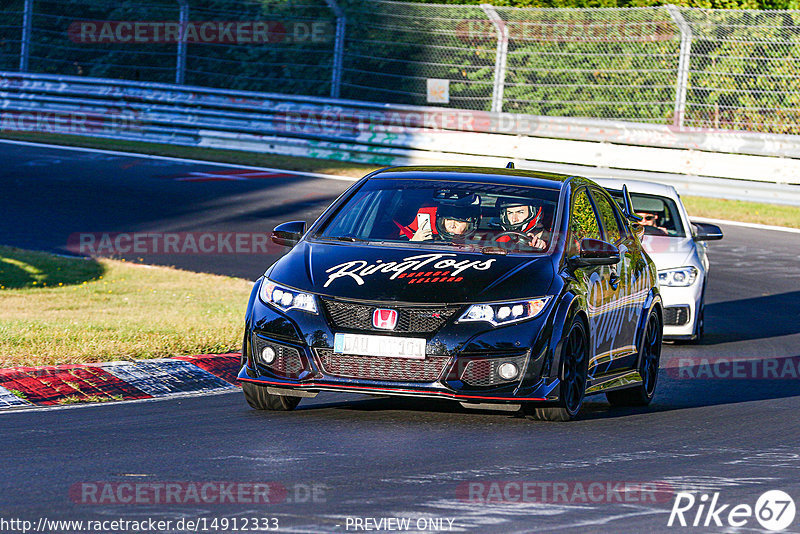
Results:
461 360
541 392
680 303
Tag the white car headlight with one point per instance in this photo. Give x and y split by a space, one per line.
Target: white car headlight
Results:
286 299
680 277
505 312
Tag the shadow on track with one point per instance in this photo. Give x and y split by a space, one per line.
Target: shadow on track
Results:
752 318
704 382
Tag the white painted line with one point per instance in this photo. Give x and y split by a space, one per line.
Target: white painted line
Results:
183 160
747 225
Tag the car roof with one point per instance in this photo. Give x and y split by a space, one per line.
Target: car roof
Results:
638 186
519 177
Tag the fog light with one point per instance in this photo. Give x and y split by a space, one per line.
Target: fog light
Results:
507 371
268 355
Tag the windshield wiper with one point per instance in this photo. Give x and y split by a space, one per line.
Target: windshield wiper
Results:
347 238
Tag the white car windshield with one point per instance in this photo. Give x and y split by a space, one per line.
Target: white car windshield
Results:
660 215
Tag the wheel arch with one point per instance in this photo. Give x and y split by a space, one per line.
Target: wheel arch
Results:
572 305
652 302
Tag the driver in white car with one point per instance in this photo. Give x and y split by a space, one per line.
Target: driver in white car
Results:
650 219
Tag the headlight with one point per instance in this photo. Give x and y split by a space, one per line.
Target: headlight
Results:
680 277
285 298
504 313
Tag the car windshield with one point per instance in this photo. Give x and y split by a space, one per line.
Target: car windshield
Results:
435 213
660 215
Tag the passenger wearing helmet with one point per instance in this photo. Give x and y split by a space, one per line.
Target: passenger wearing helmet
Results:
522 216
455 219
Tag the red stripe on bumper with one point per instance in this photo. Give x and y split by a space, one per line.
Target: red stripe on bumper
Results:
398 390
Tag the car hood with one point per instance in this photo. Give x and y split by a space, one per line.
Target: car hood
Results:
402 274
669 252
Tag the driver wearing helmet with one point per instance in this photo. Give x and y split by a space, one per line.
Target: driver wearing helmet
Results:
521 216
455 220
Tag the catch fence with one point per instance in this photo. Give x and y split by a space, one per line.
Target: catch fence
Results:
684 67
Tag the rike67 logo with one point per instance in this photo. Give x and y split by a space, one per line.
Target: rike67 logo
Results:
774 510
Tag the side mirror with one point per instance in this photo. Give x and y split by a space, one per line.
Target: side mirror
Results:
288 233
597 252
638 229
707 232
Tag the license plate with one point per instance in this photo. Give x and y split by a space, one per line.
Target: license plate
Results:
389 347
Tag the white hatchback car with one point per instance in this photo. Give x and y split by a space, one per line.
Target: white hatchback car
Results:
678 248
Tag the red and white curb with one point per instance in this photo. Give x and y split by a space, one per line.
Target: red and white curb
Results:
115 381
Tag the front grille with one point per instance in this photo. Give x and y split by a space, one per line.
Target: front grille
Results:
287 362
418 320
380 368
676 315
483 371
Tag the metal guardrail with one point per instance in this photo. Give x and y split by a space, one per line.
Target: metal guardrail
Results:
724 164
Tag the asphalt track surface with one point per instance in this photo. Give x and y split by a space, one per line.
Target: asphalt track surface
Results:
383 457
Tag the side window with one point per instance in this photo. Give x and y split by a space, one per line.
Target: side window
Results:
609 218
582 221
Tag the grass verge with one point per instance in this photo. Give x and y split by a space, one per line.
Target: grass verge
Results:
738 210
733 210
56 310
75 399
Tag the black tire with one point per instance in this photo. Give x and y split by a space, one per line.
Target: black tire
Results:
700 327
572 390
649 360
258 398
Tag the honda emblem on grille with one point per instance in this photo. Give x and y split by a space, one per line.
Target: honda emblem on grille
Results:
384 319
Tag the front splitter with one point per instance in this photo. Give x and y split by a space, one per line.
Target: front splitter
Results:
541 392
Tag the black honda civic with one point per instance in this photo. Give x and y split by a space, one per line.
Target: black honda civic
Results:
496 288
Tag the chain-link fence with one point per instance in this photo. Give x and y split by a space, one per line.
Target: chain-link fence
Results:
725 69
393 48
11 34
744 71
592 63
